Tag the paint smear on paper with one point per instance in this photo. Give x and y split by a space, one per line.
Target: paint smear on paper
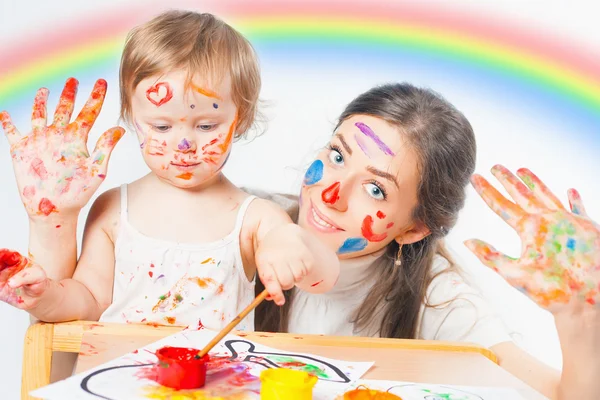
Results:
291 362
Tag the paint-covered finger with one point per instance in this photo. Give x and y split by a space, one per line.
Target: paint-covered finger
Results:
86 118
35 289
105 145
26 277
66 103
38 114
267 276
12 134
576 203
507 210
489 256
517 190
539 189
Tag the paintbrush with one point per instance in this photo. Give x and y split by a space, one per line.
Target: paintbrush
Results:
232 324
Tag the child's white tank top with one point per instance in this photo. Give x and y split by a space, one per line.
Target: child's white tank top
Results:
169 283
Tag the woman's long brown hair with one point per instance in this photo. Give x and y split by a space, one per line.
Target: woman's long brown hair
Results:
445 145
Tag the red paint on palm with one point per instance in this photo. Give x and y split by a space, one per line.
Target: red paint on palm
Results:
12 260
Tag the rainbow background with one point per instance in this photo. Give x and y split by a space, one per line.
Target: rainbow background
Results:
545 89
538 66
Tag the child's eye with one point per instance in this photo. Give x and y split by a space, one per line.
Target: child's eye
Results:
336 157
161 128
207 127
375 191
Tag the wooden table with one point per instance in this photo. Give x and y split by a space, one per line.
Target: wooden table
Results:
395 359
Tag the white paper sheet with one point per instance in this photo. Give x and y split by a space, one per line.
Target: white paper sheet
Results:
121 379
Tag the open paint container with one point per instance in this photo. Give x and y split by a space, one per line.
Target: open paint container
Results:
180 368
363 393
286 384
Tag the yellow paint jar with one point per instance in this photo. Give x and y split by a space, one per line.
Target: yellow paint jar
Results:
286 384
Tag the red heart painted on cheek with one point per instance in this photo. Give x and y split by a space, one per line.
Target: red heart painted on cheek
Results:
154 96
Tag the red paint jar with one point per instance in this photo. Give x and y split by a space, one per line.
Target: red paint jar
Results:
179 368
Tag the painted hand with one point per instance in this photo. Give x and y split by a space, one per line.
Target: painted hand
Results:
282 260
560 256
21 281
54 171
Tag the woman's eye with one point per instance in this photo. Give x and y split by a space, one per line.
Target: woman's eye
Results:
335 157
207 127
161 128
374 191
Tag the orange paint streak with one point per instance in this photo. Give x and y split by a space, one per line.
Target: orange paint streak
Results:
225 145
207 261
364 393
206 92
186 176
204 282
170 320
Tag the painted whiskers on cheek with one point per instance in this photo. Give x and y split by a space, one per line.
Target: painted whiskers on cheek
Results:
213 152
156 147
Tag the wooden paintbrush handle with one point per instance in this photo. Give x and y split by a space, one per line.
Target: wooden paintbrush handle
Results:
233 323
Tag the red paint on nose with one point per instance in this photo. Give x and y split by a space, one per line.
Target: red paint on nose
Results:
332 194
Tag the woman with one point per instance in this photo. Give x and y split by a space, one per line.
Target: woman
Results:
384 193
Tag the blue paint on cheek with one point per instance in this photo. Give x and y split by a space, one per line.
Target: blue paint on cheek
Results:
314 173
571 243
352 244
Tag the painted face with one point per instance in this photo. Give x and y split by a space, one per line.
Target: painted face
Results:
185 132
358 195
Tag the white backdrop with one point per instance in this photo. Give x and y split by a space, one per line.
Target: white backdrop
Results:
303 98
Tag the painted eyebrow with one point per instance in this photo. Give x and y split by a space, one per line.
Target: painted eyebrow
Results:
344 143
385 175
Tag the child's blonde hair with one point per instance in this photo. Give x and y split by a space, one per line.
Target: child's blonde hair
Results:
199 43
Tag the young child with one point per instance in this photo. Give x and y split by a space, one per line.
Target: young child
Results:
181 245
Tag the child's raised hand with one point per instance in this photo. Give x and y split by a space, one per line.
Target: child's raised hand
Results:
54 171
560 253
283 259
21 282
